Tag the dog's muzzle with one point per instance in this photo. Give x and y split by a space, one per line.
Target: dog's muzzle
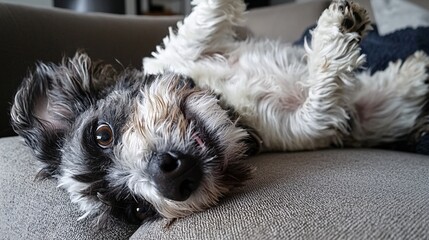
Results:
176 175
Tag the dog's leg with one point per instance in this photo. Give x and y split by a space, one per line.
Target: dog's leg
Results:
333 55
389 103
207 30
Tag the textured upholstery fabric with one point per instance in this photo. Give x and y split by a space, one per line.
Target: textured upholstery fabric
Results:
32 209
340 194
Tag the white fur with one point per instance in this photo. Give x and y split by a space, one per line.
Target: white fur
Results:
294 98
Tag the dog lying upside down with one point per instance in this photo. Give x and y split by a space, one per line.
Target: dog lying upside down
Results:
171 140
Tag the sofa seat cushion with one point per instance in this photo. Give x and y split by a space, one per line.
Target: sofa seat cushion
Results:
346 194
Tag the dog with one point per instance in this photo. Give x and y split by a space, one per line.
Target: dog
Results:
171 139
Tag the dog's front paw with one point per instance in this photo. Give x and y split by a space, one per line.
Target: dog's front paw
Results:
352 17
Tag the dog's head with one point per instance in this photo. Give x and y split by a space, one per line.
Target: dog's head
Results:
129 145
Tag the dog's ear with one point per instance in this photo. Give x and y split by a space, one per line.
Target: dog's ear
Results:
49 100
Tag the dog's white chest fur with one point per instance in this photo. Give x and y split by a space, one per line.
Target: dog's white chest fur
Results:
261 80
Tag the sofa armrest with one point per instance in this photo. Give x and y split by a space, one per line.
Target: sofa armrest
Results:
29 34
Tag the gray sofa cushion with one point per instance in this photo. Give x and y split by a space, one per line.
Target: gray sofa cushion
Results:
346 194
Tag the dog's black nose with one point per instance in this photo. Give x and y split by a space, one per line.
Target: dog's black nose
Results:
176 175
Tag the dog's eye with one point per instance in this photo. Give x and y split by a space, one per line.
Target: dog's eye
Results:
104 135
142 211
